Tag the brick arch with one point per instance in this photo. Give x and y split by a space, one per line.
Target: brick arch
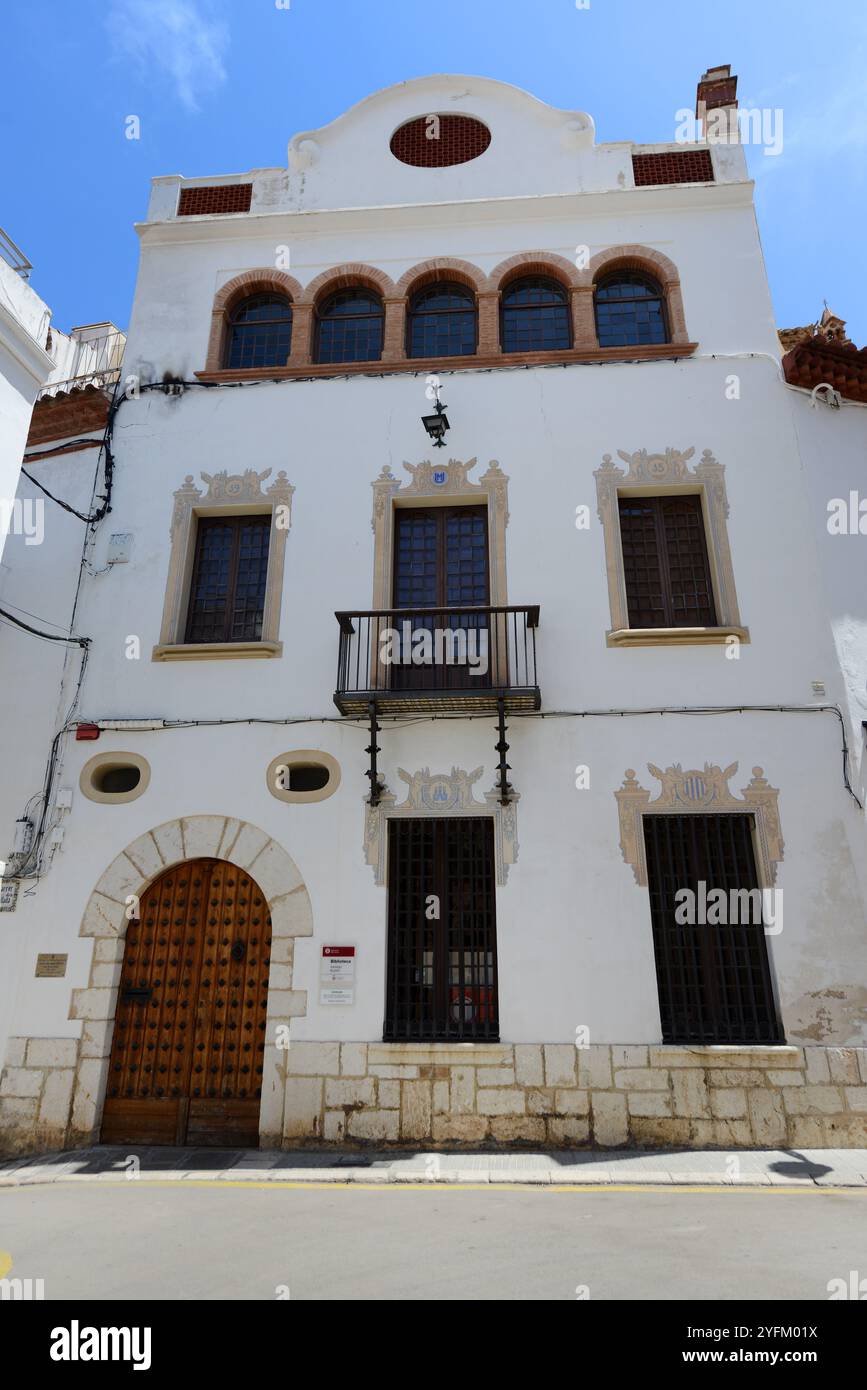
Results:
654 263
262 279
632 257
344 277
443 268
536 263
131 872
257 281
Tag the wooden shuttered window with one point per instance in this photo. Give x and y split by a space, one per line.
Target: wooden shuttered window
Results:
665 562
227 596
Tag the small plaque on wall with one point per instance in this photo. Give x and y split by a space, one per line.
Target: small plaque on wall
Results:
50 967
337 975
8 895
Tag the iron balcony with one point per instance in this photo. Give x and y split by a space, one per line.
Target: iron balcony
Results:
437 660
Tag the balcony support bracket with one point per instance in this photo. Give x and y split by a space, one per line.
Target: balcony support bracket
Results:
504 786
376 786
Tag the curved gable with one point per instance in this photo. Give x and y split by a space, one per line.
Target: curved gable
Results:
533 147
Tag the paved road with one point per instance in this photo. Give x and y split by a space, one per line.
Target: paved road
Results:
133 1240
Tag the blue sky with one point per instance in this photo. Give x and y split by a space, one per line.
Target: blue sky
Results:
219 86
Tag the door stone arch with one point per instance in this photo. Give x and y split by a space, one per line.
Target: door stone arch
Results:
114 901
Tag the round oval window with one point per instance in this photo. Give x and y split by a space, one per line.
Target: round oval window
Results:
113 777
306 774
438 141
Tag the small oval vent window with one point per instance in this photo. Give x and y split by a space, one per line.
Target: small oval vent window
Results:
437 141
115 777
303 775
308 777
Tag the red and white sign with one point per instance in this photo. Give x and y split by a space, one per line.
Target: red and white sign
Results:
337 974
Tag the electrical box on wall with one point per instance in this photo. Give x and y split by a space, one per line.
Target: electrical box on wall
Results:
119 548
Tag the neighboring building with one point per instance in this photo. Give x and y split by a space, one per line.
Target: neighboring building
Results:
25 364
528 715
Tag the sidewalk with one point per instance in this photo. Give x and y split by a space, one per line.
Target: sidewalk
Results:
729 1168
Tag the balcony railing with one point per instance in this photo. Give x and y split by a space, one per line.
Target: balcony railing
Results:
97 362
437 660
14 256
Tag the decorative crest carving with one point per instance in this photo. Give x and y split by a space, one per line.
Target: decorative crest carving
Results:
428 482
441 794
700 791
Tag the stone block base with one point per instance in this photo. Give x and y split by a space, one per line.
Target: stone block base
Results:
554 1095
36 1087
447 1095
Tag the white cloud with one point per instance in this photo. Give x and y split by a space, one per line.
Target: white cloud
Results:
175 37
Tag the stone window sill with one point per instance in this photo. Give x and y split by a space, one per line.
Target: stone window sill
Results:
216 651
439 1054
733 1055
675 636
652 352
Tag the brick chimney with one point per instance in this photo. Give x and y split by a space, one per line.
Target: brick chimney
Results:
718 91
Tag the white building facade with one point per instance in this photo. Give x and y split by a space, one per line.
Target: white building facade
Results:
549 835
25 364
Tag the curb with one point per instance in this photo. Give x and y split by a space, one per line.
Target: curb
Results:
348 1177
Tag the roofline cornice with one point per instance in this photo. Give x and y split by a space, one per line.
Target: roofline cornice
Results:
542 207
23 347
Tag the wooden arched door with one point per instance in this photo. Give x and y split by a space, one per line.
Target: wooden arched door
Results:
189 1034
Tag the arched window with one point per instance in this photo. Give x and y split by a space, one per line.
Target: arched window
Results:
260 332
535 316
442 322
630 310
349 327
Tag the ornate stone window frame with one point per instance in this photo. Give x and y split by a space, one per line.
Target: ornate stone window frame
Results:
491 489
227 495
704 793
441 794
665 474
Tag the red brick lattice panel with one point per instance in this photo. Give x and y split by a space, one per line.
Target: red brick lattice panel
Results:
215 198
435 142
681 166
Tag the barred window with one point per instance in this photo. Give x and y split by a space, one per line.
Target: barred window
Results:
442 322
227 596
630 310
535 316
350 327
442 970
260 332
665 562
712 966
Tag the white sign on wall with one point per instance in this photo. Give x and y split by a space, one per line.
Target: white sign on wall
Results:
337 975
8 894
